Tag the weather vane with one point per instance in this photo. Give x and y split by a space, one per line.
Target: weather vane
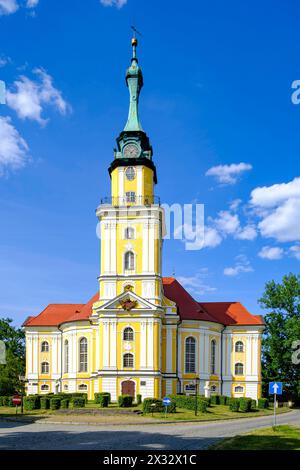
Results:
135 31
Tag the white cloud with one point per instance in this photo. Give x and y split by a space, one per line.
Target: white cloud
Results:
228 174
278 207
295 251
7 7
271 252
212 238
113 3
246 233
234 205
13 148
4 61
227 223
242 265
29 97
32 3
196 284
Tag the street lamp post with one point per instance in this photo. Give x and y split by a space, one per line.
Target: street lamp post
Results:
196 382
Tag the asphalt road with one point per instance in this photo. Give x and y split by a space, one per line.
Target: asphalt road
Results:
192 436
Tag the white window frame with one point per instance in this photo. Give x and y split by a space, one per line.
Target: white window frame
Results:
45 346
237 346
124 332
66 356
187 360
127 355
213 357
83 355
131 262
235 368
45 368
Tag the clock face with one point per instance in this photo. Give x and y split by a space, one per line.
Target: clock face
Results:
131 151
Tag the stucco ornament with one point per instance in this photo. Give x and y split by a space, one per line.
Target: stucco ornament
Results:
128 304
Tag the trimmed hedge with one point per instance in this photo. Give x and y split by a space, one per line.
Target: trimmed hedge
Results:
189 402
245 405
78 402
215 399
147 402
103 402
263 403
125 401
223 400
31 402
55 403
138 399
64 404
45 403
234 404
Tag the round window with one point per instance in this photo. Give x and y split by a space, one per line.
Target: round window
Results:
130 173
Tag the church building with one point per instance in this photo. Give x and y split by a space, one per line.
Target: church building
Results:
141 333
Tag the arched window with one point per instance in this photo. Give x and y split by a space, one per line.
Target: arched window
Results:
129 260
128 334
130 173
45 368
128 360
213 388
190 355
213 346
66 359
129 233
239 369
239 389
83 355
82 387
45 346
239 346
66 387
44 387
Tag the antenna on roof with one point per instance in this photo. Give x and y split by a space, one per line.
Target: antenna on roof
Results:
135 31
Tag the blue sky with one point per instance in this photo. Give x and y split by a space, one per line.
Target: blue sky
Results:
216 105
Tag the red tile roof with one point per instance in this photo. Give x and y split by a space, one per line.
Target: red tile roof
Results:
226 313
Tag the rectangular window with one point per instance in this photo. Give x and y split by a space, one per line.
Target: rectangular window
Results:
130 196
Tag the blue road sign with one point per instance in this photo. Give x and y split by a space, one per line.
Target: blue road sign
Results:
166 401
275 388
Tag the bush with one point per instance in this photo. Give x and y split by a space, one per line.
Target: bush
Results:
1 401
263 403
55 403
147 408
64 404
202 406
98 398
78 395
234 404
78 402
125 401
189 402
45 403
245 405
253 404
31 402
215 399
223 400
138 399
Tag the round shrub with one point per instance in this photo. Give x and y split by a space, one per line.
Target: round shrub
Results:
234 404
78 402
223 400
125 401
45 403
55 403
245 405
263 403
138 399
215 399
64 404
99 400
31 402
103 401
147 402
202 406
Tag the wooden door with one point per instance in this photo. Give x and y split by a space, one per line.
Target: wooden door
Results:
128 388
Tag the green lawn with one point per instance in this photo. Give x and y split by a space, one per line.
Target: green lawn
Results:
280 438
216 412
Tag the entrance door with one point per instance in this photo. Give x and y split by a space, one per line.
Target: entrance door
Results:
128 388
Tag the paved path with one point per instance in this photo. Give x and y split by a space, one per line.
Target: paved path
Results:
191 436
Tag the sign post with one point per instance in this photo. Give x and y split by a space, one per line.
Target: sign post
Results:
275 388
17 400
166 403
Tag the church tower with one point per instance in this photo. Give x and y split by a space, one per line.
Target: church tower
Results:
131 308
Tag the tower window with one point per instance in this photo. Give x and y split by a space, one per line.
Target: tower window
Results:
130 173
129 260
45 346
239 369
239 346
213 357
83 355
190 355
45 368
128 360
128 334
130 196
129 233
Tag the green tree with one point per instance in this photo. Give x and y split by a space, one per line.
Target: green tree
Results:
14 340
282 300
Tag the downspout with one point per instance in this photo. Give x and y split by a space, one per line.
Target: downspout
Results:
221 375
61 358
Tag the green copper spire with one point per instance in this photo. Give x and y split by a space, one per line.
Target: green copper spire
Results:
134 80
